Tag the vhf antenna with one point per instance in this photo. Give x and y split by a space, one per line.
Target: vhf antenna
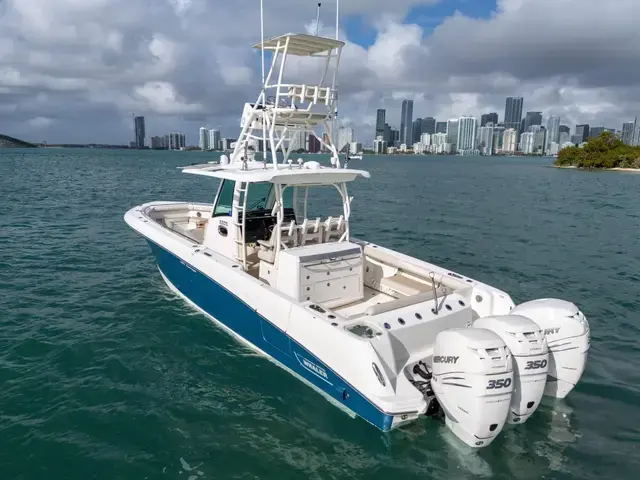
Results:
318 19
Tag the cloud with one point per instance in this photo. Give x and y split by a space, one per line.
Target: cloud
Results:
86 65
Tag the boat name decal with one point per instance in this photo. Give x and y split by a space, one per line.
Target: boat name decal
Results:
313 368
443 359
224 223
551 331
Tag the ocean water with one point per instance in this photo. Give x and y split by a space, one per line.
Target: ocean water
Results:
105 374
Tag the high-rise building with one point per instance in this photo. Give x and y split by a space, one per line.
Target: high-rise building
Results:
582 131
346 136
488 118
513 112
485 139
355 148
498 137
140 134
636 136
204 139
526 142
441 127
510 140
553 130
214 139
406 122
627 132
531 119
595 132
158 143
394 136
417 130
176 141
576 139
425 139
563 138
539 139
313 145
380 122
466 134
299 140
429 125
452 133
379 145
565 128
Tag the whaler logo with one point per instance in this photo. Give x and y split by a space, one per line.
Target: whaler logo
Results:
312 367
443 359
551 331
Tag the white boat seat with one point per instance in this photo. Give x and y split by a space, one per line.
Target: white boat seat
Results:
310 93
399 285
311 232
334 228
288 239
407 301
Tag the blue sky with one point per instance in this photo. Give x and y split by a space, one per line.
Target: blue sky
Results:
428 17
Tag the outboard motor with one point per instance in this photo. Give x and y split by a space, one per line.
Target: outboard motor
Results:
567 332
473 381
530 361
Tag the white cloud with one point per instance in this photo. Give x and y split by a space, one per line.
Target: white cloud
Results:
40 122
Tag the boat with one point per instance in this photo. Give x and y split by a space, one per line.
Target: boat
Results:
388 338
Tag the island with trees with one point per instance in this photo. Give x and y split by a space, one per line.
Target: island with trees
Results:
604 152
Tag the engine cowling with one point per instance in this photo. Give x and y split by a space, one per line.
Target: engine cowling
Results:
472 380
567 333
530 361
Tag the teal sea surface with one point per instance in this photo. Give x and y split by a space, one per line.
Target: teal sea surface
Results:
105 374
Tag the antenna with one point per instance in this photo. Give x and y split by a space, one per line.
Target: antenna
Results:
262 37
318 19
337 18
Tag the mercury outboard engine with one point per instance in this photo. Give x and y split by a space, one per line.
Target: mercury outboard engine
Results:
530 361
567 332
473 381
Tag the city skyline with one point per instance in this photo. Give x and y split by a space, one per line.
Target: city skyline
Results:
82 86
468 135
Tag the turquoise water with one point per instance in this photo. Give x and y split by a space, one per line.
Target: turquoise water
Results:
105 374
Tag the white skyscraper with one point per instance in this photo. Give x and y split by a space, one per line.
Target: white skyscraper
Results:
425 139
345 137
526 142
299 141
485 140
510 141
553 130
466 134
214 139
204 138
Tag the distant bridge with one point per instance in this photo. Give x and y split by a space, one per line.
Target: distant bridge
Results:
10 142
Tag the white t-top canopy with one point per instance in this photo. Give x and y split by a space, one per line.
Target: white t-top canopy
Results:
294 175
302 44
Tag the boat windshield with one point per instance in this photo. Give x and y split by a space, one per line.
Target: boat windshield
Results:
260 198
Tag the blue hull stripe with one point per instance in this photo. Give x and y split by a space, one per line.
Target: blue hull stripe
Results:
246 322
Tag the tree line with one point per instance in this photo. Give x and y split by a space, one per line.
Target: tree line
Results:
605 151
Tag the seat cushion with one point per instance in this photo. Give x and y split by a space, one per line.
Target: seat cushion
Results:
402 285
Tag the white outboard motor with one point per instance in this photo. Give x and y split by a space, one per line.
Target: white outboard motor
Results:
567 332
472 380
530 361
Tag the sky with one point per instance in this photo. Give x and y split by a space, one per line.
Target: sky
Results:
74 71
